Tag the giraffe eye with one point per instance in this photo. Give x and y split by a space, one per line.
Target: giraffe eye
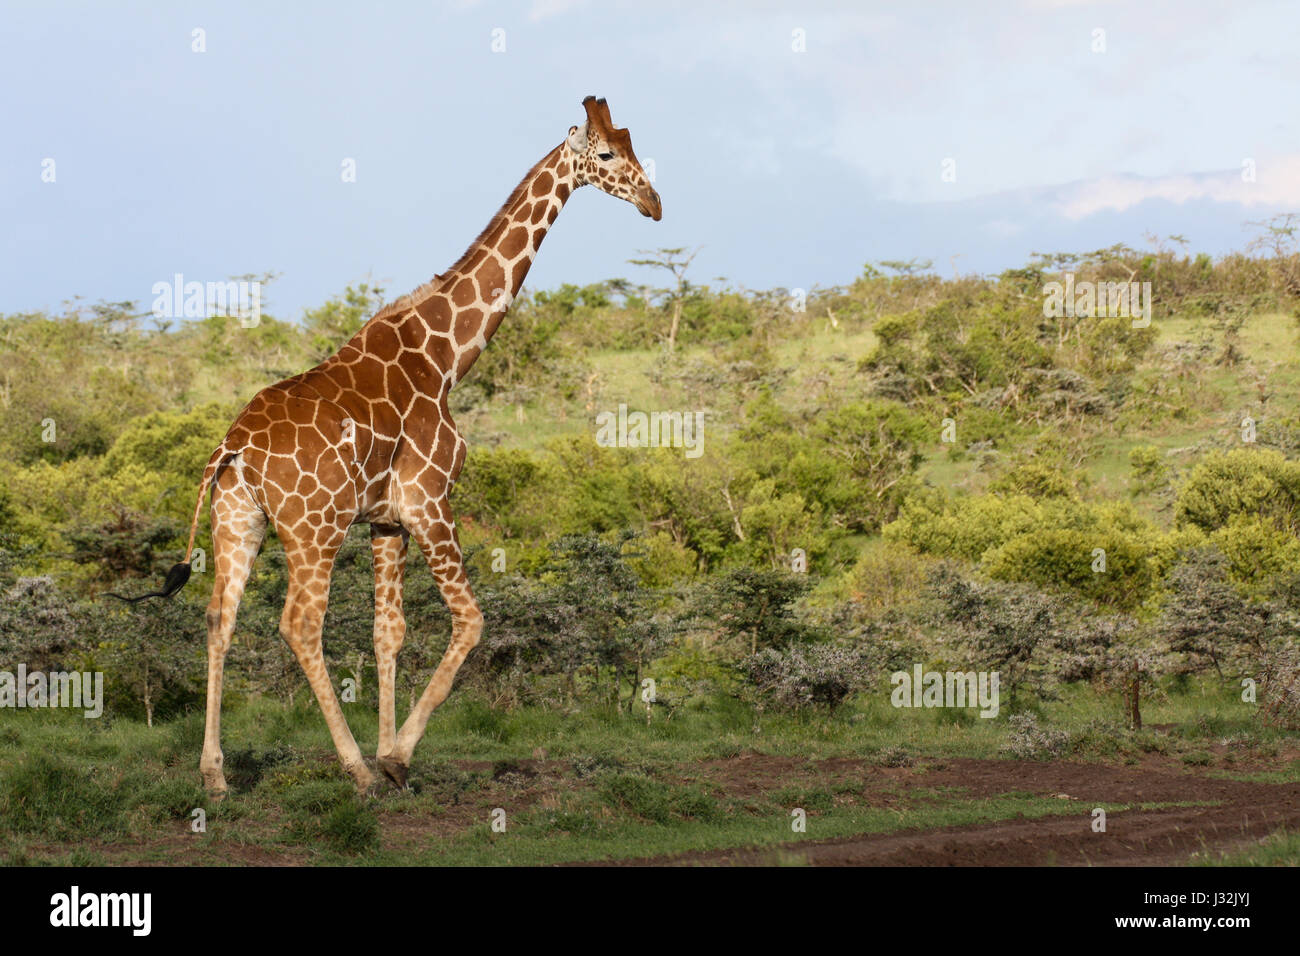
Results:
606 156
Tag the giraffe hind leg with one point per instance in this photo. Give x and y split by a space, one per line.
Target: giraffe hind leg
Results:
388 549
238 527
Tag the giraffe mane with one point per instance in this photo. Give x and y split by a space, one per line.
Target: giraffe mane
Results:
416 297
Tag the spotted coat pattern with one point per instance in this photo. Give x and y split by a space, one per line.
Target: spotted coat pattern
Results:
366 436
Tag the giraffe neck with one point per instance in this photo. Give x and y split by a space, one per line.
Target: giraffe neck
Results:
462 308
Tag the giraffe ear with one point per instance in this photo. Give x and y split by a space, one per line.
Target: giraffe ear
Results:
578 138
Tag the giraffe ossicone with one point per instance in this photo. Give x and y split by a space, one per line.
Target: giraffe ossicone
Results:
366 436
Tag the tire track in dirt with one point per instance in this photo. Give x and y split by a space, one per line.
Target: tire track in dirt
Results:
1245 812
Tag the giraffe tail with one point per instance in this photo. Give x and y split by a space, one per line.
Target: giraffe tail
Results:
179 574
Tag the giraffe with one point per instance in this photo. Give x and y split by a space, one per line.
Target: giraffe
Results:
366 436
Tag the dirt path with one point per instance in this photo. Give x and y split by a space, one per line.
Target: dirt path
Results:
1245 812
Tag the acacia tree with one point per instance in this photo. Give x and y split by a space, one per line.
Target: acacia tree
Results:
588 612
1210 622
154 652
1278 238
612 620
129 544
1007 628
754 610
526 635
39 626
675 262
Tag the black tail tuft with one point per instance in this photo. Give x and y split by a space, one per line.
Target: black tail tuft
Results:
176 579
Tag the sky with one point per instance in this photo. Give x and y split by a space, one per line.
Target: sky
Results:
791 142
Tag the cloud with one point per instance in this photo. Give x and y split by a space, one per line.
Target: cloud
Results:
1276 183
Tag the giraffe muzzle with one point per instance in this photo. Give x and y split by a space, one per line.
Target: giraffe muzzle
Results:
649 205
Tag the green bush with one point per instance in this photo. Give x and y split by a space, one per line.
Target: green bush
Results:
1252 483
1051 542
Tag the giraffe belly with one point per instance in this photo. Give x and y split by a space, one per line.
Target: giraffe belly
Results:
307 462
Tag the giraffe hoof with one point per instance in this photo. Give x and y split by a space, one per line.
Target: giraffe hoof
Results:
394 771
214 785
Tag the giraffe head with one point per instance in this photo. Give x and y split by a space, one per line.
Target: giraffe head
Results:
603 157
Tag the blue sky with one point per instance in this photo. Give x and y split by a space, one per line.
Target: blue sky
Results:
788 168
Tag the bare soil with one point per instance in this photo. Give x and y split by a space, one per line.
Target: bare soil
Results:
1243 812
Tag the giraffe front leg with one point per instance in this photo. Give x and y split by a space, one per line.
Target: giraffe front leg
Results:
388 549
442 552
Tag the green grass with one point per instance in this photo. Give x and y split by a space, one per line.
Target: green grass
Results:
114 790
1279 849
263 739
1290 773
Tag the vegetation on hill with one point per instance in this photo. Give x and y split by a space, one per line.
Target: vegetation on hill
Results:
906 469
